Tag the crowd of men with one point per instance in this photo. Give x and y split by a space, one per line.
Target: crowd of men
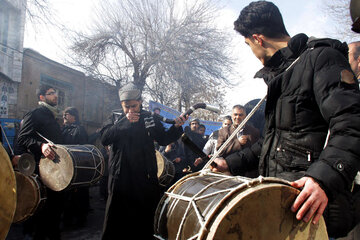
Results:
308 133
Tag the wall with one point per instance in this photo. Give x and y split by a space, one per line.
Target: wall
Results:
92 98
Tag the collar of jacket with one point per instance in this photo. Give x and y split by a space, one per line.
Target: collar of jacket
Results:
73 125
53 110
342 47
283 57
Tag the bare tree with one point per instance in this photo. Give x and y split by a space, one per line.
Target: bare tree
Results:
339 13
170 48
38 11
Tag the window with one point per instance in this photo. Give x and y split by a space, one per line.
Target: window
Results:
61 99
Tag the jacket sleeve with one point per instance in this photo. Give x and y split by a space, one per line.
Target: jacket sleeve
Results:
27 135
254 135
210 145
245 160
83 136
112 132
222 137
338 99
161 135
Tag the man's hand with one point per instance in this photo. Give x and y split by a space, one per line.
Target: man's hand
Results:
221 166
133 117
46 149
179 121
15 160
311 201
168 148
197 161
243 139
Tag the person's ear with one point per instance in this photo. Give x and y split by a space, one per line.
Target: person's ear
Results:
42 98
258 39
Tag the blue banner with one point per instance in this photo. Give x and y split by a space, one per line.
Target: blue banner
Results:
170 113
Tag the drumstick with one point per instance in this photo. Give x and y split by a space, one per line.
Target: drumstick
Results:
233 135
187 141
53 144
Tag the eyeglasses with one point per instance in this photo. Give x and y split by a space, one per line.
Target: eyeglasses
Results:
51 93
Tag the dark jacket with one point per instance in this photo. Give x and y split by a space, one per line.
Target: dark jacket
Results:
133 185
190 155
176 151
304 102
74 134
39 120
306 98
311 91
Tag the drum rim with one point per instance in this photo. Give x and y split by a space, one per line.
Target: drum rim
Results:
7 167
90 148
218 212
98 173
35 182
215 220
158 155
46 161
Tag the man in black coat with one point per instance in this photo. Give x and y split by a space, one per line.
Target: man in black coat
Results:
312 94
42 120
77 204
190 155
134 190
73 132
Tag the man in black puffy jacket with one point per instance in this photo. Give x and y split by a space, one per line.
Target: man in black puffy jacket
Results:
311 92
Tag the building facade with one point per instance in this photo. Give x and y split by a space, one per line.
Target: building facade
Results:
93 98
22 71
12 23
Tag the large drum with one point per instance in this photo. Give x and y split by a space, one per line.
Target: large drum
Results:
7 193
31 195
206 205
74 166
166 170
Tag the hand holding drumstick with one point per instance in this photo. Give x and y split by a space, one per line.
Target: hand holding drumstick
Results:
47 151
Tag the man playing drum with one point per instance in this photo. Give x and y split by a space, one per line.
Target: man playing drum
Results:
311 92
134 190
43 120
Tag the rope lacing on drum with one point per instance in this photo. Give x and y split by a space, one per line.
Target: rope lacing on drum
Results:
193 201
97 166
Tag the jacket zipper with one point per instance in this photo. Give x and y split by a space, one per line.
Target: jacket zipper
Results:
296 150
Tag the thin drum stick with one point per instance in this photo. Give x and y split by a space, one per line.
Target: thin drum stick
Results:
238 129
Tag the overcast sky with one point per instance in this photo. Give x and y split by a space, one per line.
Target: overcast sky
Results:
299 16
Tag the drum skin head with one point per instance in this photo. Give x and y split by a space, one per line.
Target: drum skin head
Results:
26 164
57 174
27 197
206 206
7 193
160 163
263 212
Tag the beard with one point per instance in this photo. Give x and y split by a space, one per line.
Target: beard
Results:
51 103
